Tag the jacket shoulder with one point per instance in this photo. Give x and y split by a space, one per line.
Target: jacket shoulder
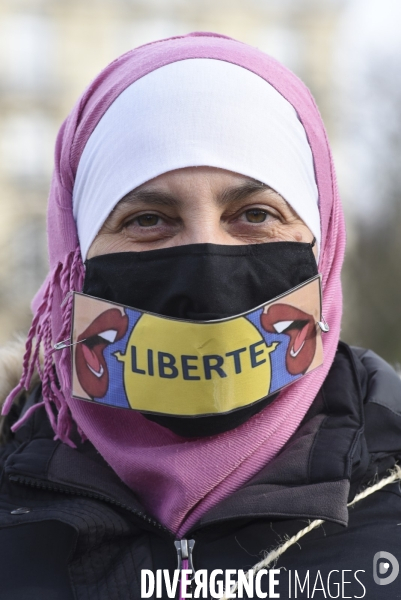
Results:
382 406
384 383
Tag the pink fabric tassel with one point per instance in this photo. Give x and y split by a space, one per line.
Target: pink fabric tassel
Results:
68 277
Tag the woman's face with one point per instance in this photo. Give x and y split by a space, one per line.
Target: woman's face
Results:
199 205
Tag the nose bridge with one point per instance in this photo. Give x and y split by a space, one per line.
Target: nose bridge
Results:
207 228
201 213
202 221
205 232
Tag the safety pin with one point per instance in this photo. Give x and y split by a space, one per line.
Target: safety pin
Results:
62 345
324 326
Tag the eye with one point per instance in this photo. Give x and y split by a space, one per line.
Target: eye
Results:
148 220
255 215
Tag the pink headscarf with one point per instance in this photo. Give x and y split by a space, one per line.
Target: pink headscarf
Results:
176 479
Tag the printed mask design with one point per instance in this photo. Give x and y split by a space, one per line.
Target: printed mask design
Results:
159 365
92 370
301 329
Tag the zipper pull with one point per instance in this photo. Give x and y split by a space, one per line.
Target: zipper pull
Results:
184 554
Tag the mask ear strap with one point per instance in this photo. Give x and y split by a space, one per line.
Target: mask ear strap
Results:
313 242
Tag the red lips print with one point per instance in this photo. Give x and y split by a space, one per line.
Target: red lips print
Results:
91 368
300 327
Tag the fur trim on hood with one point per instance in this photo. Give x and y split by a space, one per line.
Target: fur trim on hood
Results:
11 361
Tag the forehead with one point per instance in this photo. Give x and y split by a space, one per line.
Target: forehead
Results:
192 183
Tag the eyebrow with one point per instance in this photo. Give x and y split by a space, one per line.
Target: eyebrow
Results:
235 194
228 196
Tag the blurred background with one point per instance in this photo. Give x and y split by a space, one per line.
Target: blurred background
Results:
347 51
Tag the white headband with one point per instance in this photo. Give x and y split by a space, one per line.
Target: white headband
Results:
194 112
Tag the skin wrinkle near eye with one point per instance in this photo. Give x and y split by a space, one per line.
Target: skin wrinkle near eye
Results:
198 205
157 198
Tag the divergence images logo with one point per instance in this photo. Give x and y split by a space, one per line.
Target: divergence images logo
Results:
382 568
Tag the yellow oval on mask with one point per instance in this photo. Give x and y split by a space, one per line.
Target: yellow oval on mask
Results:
186 368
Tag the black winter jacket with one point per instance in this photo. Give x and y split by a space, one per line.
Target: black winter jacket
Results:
71 530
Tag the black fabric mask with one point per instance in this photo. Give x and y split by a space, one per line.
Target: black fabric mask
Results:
201 282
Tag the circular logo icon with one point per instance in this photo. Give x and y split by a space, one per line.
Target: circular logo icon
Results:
382 574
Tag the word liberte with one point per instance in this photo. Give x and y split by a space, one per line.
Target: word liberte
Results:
206 585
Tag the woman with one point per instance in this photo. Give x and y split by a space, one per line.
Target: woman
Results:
194 180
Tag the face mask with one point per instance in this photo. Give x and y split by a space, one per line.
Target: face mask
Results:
171 369
200 281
